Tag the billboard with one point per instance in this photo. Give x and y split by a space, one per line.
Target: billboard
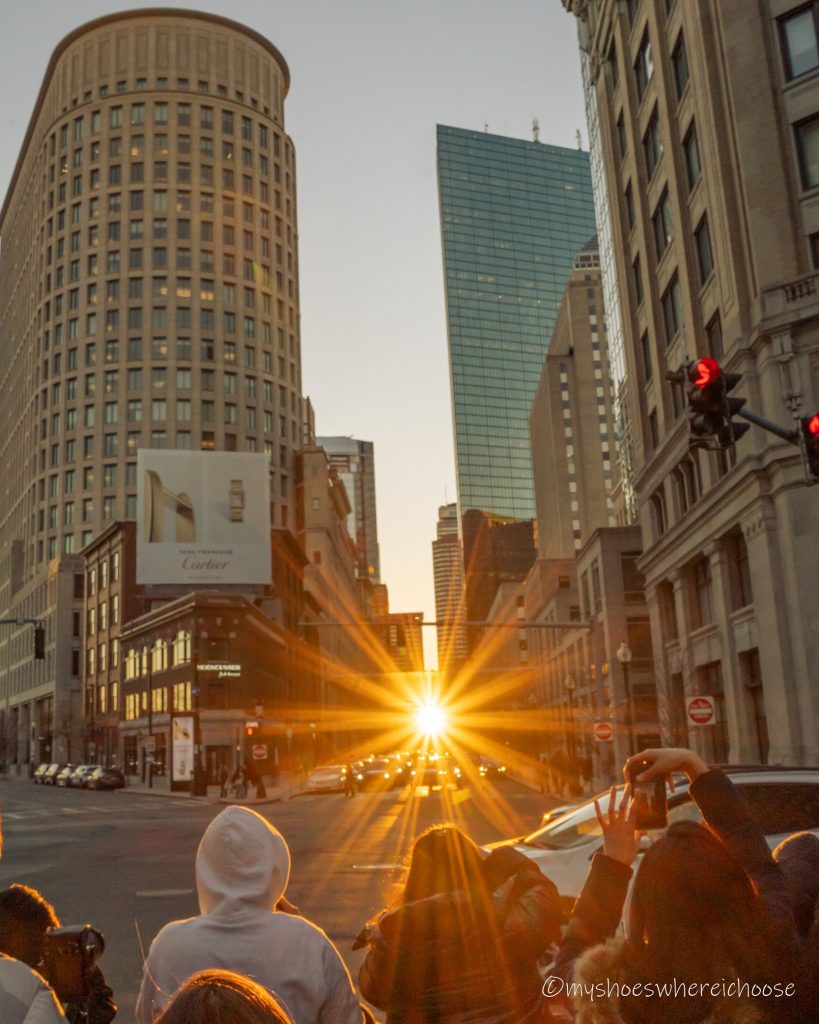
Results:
203 517
181 748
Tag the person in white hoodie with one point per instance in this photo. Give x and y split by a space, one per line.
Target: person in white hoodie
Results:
242 870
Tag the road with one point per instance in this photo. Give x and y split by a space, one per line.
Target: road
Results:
124 861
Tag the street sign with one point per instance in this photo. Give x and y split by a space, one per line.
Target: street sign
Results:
603 731
259 751
701 710
251 724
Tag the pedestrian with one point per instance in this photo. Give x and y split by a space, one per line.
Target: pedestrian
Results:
222 997
462 940
708 907
254 778
238 785
25 917
25 997
242 870
223 782
349 780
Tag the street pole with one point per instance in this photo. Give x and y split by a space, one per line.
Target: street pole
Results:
150 664
624 656
569 685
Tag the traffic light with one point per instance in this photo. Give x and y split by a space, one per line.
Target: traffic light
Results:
250 729
710 410
810 434
39 641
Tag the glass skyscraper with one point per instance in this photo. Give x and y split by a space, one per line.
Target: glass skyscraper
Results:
514 215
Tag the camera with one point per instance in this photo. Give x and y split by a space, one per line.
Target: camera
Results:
650 798
68 957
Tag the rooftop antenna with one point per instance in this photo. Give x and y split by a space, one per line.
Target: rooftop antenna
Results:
535 130
579 138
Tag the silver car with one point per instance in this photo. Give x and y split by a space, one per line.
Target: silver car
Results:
783 801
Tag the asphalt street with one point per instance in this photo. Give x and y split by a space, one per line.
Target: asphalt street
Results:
124 861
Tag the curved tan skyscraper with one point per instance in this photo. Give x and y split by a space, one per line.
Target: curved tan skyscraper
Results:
148 291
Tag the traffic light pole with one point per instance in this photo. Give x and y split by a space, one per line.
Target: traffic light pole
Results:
791 436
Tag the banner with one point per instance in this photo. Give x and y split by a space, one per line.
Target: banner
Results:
182 748
203 517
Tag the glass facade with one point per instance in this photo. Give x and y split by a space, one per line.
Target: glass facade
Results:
514 215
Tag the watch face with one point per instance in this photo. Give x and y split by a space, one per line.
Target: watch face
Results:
236 501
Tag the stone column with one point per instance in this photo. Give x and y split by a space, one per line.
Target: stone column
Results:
741 746
779 678
682 609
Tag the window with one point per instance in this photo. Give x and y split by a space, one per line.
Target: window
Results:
679 62
713 332
643 66
645 348
653 430
658 512
622 141
629 205
637 274
798 36
702 592
705 259
661 223
672 308
807 144
652 144
692 156
739 571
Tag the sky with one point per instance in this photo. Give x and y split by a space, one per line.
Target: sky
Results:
370 79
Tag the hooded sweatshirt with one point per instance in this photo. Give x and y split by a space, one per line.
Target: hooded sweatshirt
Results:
242 869
24 997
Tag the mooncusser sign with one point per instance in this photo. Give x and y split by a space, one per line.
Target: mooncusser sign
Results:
203 517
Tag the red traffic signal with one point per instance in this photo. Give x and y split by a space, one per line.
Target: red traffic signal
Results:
810 436
703 372
39 641
710 409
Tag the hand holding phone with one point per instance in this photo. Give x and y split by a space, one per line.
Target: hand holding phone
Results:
649 797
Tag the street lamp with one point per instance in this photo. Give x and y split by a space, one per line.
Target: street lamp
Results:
624 656
569 685
149 748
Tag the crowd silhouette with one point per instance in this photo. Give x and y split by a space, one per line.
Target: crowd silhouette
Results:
711 928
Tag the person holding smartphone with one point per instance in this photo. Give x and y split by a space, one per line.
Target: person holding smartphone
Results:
709 907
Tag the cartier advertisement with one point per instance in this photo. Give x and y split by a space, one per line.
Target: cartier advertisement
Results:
203 517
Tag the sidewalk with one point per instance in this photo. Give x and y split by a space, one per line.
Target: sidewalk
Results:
284 787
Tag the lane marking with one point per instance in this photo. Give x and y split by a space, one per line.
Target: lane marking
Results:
376 867
164 892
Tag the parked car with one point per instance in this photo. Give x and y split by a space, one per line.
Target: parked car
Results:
105 778
40 771
51 774
783 801
79 777
327 778
63 775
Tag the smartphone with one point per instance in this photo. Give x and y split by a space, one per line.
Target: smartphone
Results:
650 798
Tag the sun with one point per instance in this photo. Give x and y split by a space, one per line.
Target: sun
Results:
430 719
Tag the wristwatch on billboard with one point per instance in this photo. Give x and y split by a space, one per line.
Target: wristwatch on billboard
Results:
236 501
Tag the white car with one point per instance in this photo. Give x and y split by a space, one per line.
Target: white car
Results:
327 778
783 801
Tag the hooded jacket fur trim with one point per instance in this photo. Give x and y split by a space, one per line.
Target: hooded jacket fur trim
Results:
605 964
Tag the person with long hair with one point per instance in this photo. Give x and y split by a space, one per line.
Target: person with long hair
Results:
222 997
462 939
709 916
